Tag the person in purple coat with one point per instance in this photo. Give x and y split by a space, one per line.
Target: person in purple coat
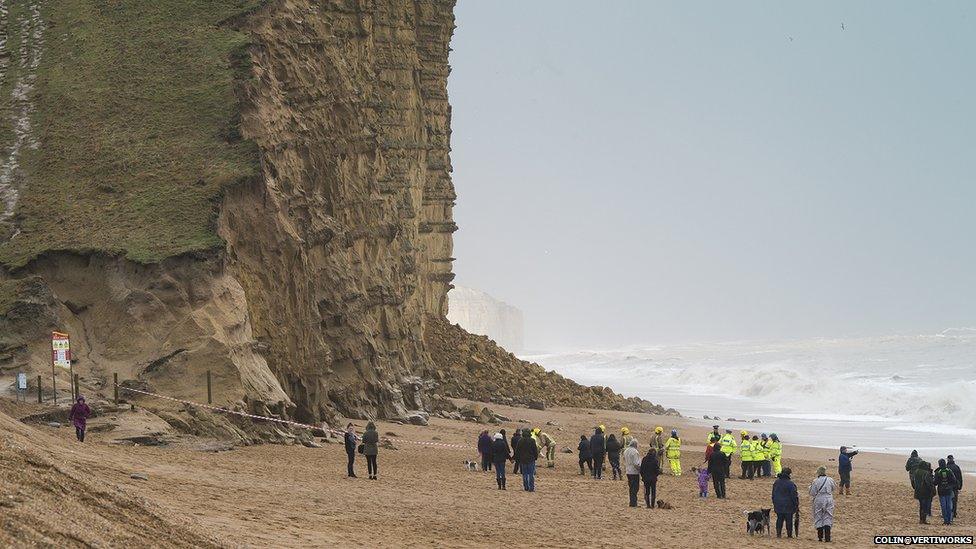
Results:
79 417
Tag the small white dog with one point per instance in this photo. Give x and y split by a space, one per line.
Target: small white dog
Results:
471 465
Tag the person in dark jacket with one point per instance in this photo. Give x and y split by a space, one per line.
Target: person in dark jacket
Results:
79 414
951 464
371 441
844 468
911 464
598 449
484 450
526 455
649 470
499 455
924 490
585 457
350 439
516 437
945 484
718 468
613 456
786 501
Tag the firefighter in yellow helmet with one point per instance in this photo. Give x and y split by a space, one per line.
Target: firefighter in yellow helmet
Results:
625 437
657 444
672 448
745 452
775 453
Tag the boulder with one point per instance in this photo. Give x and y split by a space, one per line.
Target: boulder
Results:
537 405
417 418
139 476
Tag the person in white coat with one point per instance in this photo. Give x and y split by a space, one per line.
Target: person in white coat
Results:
632 467
822 491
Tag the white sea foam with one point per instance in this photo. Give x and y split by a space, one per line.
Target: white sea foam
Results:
923 380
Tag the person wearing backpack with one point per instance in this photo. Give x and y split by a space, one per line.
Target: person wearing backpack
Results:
924 485
945 484
371 440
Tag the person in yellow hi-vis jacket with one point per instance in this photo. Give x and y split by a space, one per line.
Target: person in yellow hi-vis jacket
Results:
775 453
548 444
672 449
625 437
745 452
765 464
728 447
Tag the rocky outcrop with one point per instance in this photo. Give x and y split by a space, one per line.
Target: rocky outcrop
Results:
482 314
475 368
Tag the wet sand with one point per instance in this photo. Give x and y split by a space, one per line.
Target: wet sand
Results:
292 496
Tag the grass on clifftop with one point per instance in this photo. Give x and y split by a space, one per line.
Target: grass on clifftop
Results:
136 120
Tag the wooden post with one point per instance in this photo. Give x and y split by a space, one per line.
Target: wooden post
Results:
40 397
54 383
76 390
209 388
115 384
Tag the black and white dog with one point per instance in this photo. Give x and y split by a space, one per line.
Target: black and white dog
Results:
471 465
757 522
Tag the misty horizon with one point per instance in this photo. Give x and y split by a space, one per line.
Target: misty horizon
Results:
653 174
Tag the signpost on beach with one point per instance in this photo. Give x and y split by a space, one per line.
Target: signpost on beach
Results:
22 386
60 357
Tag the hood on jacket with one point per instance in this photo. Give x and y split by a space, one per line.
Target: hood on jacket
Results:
370 426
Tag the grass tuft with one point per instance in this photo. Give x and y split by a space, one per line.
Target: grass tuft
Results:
137 124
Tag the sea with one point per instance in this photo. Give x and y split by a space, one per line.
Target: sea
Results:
888 394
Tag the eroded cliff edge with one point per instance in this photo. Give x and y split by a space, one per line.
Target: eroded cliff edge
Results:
304 257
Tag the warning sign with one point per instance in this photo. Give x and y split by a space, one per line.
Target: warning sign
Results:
61 350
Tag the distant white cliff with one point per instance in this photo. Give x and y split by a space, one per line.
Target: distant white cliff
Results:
480 313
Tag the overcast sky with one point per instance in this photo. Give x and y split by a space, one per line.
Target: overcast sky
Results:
655 172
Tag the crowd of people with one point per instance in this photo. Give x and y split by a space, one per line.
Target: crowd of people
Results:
761 456
944 482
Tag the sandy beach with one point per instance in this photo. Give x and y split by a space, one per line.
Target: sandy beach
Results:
293 496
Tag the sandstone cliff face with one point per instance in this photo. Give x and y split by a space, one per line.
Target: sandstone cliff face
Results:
344 246
326 290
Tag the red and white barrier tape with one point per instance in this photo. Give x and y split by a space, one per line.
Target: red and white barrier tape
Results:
278 420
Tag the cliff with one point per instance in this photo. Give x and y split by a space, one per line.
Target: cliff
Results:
482 314
257 189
